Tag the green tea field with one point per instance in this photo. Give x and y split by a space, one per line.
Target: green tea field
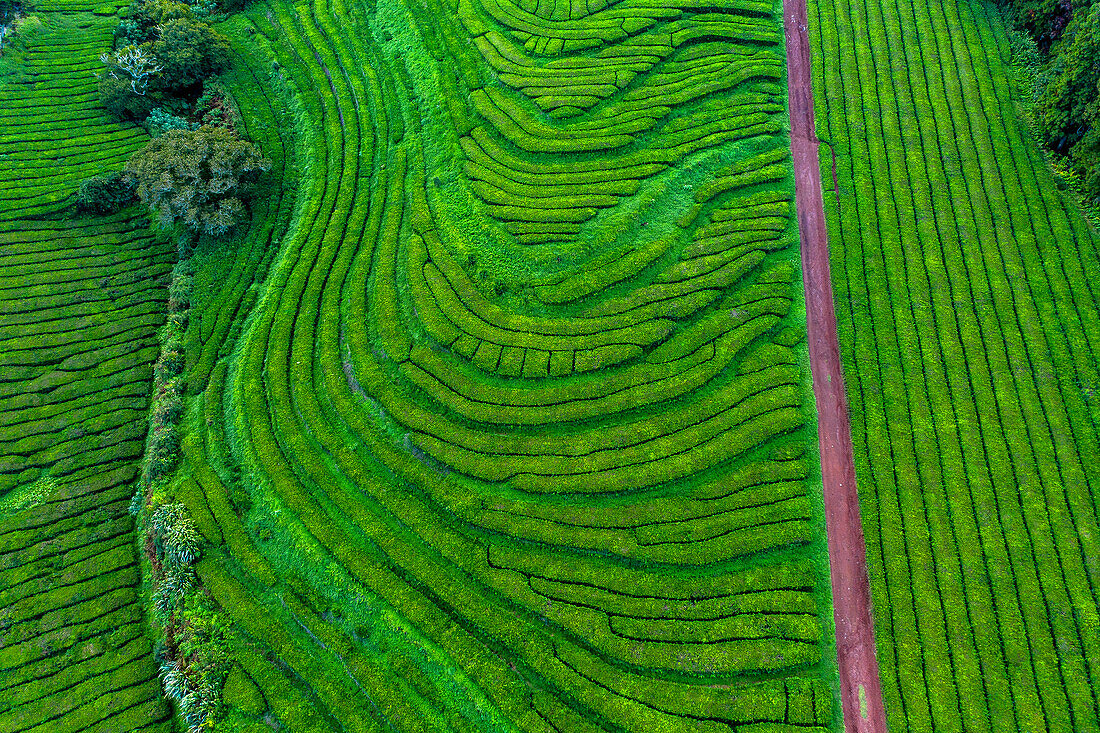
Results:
515 436
80 303
494 410
967 300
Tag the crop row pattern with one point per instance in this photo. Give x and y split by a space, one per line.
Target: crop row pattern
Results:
969 323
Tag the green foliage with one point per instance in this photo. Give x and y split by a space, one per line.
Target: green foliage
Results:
121 102
141 21
106 194
175 537
241 692
1044 20
1069 105
190 52
71 624
214 108
160 121
200 178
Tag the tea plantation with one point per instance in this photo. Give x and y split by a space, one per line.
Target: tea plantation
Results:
80 303
496 415
515 436
967 302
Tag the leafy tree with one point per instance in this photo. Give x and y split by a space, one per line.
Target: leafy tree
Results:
200 178
122 103
133 64
141 20
190 51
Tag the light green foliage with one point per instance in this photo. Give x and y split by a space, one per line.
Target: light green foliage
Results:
28 495
159 122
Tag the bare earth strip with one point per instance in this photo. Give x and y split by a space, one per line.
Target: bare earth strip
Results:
860 687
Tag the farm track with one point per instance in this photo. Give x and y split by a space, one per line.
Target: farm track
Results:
860 684
80 302
968 319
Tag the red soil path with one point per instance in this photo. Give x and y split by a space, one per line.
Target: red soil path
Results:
855 630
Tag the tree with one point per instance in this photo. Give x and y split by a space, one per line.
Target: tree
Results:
141 20
200 178
134 64
190 51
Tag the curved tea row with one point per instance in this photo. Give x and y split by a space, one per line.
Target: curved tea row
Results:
515 436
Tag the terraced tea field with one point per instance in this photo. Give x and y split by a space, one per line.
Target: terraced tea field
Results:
966 293
516 435
80 302
53 131
74 649
497 416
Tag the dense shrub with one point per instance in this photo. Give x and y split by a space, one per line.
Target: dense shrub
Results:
1066 71
141 20
163 54
106 194
199 178
214 108
1044 20
1069 104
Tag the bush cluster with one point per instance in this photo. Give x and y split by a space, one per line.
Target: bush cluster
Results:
160 121
193 652
106 194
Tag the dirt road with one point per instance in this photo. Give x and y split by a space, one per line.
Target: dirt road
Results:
860 688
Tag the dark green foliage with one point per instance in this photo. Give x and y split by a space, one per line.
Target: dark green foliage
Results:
140 21
215 109
118 97
1068 106
1044 20
106 194
190 52
200 178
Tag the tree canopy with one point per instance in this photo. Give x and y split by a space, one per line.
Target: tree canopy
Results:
200 178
